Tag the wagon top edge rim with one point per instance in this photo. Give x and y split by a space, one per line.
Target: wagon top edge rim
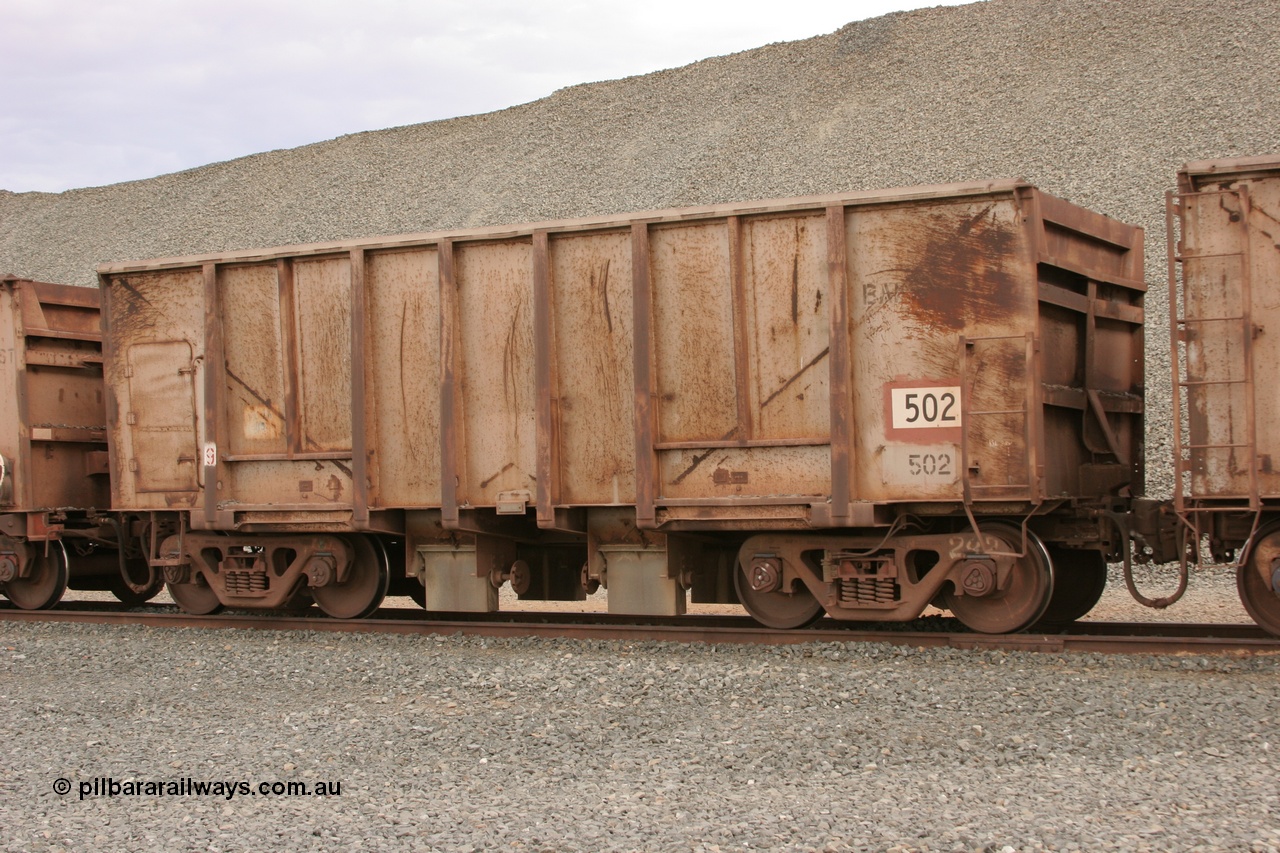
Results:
669 215
1230 166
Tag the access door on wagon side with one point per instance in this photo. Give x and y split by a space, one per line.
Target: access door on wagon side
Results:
154 371
162 417
740 366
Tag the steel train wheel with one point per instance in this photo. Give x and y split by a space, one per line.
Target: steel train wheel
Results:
777 609
1260 599
366 583
1023 600
196 598
1079 579
44 587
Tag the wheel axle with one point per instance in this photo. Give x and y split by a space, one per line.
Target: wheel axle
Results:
978 577
766 575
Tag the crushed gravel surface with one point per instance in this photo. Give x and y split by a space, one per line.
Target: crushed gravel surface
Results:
474 744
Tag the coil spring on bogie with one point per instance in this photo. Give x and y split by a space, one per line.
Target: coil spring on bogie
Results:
855 591
245 582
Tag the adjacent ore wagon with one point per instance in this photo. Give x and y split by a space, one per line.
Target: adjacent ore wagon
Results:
858 404
1225 292
53 450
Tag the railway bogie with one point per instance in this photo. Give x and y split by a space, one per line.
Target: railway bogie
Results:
347 576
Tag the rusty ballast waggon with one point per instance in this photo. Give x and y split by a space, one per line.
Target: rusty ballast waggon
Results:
1224 274
857 404
54 529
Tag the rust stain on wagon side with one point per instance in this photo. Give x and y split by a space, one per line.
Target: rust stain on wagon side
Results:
947 251
600 282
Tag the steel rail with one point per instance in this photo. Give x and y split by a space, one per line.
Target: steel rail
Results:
1103 637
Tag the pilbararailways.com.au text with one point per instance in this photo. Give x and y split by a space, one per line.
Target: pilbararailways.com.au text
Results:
228 789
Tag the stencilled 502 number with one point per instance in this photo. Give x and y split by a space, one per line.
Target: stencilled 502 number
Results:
928 464
926 408
920 465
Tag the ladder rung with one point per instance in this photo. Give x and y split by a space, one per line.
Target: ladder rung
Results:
1211 255
1001 412
973 486
1212 382
1211 446
1207 319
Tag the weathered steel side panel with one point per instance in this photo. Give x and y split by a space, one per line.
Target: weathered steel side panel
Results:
695 378
322 300
741 329
254 403
496 381
924 279
592 418
779 364
285 334
785 289
402 373
155 324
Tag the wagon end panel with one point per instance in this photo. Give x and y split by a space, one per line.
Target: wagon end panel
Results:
12 482
52 430
1091 290
154 373
1223 340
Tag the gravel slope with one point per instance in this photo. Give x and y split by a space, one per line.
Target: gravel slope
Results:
469 744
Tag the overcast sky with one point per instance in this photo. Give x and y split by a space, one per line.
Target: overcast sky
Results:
96 92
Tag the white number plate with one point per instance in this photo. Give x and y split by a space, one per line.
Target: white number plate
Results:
925 408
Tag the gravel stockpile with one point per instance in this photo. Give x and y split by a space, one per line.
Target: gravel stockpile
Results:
1094 100
468 744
